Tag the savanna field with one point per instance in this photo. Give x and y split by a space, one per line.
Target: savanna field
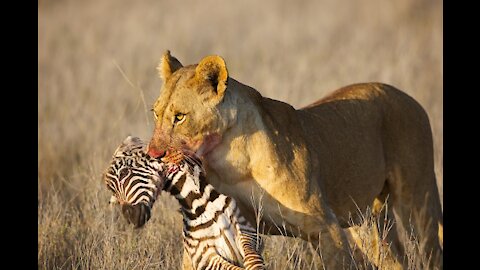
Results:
98 80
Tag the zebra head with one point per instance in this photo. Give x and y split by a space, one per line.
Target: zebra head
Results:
135 180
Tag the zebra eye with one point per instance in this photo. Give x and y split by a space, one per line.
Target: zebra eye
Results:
123 173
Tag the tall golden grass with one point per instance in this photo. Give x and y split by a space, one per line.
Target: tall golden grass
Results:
97 80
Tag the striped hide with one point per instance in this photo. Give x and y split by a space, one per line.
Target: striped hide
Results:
216 235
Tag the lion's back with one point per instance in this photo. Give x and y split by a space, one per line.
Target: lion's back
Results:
368 103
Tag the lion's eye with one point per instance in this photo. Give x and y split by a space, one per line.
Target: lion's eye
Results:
179 117
154 113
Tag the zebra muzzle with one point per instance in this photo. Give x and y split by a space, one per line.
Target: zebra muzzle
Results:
137 214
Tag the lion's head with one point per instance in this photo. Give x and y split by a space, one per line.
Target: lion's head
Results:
190 111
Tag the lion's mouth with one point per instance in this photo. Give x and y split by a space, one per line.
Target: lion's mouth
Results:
156 153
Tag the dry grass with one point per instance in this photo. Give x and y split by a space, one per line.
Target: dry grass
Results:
97 63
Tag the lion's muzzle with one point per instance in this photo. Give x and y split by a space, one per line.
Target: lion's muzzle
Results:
155 153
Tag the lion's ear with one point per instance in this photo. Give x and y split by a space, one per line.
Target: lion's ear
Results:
213 70
168 65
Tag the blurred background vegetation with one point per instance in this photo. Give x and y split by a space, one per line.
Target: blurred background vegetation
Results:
97 81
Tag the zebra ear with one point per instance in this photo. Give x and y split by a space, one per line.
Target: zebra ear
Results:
113 200
128 144
130 140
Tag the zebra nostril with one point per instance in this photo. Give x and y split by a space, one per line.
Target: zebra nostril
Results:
127 212
137 214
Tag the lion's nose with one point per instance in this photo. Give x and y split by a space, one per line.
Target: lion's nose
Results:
155 153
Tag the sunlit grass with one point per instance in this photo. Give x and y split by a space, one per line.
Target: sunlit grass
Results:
98 79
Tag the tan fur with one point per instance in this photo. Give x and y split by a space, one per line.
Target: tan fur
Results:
314 165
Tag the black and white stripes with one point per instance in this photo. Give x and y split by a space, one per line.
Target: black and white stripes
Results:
216 235
134 178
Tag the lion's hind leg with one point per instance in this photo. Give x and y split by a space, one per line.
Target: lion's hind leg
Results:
417 209
374 240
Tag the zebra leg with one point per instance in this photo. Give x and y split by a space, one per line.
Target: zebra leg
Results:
217 262
252 247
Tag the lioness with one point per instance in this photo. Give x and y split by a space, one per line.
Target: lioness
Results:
314 165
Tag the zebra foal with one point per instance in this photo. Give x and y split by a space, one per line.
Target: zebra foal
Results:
215 234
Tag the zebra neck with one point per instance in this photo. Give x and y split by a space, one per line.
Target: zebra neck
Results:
192 192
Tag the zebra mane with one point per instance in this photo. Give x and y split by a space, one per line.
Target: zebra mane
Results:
193 160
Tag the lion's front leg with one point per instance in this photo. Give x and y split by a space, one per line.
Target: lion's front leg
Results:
327 237
333 248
